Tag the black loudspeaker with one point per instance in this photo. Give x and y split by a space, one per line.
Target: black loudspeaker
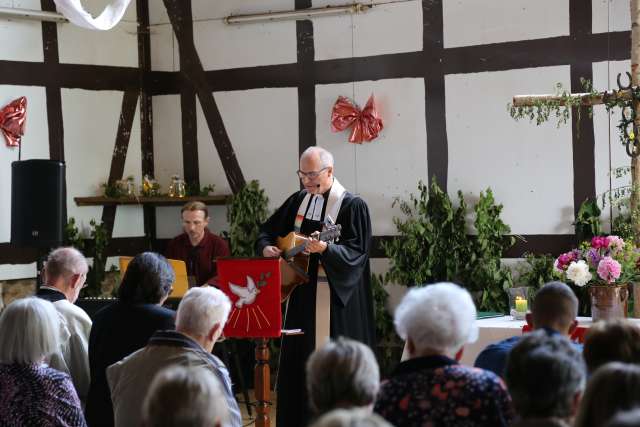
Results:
38 203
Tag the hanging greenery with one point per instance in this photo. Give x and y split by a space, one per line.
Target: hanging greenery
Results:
246 211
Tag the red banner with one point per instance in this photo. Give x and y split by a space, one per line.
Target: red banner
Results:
253 286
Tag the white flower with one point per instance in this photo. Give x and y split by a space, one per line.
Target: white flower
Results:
578 273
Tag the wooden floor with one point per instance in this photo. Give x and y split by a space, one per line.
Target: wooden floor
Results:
250 420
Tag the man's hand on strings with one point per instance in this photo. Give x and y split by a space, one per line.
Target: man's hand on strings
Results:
271 251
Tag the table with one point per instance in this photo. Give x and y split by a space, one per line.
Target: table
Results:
499 328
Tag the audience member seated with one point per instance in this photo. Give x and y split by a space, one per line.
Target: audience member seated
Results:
553 401
355 417
32 393
126 325
431 387
613 387
202 314
612 341
65 273
554 310
629 418
342 374
180 396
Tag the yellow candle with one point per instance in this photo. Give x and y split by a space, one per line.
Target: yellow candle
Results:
521 305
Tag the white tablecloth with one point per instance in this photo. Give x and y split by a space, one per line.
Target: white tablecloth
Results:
499 328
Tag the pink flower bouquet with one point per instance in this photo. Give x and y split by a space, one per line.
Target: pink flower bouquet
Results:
606 260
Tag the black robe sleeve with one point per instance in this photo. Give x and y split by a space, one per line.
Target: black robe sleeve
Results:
280 223
346 260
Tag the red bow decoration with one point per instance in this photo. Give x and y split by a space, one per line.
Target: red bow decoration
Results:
12 120
367 124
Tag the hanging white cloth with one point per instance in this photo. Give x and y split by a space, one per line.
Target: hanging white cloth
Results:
109 18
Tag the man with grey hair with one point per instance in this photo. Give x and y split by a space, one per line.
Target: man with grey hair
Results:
201 317
65 273
336 300
554 310
431 388
342 374
554 401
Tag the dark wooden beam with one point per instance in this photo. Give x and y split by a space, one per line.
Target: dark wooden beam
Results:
306 81
54 98
144 67
120 148
181 21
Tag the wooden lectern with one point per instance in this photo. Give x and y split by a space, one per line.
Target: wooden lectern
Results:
254 287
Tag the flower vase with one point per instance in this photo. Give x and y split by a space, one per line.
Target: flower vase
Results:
608 302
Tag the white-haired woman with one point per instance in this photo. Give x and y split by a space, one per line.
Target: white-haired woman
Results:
31 393
431 388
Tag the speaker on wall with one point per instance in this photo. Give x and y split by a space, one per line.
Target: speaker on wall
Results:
38 203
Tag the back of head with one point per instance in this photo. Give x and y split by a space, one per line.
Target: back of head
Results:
553 358
65 261
612 341
629 418
439 317
342 374
356 417
181 396
555 306
29 331
201 309
612 388
147 280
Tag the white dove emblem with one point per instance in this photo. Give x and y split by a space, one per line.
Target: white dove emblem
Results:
246 295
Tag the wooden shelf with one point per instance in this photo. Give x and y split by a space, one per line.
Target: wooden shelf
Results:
150 201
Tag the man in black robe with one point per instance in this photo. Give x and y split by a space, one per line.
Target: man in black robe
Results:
345 263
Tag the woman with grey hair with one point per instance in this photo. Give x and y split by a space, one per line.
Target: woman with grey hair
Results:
185 396
126 325
355 417
431 387
342 374
31 393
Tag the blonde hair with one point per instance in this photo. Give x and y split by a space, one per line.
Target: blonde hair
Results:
196 206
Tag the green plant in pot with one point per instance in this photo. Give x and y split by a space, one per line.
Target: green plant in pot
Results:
94 247
247 210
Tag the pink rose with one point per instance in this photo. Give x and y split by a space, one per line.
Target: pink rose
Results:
609 269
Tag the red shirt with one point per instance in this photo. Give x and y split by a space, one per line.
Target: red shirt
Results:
200 259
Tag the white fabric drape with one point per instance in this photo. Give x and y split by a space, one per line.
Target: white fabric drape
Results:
109 18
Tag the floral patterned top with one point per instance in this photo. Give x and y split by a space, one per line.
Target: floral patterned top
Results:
37 395
436 391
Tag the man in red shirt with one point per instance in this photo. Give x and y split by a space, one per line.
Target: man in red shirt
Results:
197 246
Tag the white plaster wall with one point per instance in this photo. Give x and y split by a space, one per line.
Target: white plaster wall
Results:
263 127
389 27
389 166
116 47
472 22
610 15
25 36
90 127
528 167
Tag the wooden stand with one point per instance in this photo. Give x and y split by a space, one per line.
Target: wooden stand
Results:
262 381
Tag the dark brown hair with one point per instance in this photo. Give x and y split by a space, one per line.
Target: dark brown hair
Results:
612 341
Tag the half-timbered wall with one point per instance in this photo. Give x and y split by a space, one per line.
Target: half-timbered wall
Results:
442 72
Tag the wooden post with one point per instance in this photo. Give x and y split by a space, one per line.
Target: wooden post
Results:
262 381
635 81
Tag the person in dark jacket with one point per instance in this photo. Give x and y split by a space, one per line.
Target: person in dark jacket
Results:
126 325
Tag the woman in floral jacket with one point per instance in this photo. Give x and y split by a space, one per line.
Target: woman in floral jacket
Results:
431 388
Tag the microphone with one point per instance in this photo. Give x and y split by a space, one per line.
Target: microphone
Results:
318 186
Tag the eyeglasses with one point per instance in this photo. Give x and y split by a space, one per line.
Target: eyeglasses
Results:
312 174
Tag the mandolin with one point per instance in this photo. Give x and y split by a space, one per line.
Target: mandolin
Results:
292 246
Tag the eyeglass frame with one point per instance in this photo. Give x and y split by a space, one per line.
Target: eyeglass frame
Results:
312 174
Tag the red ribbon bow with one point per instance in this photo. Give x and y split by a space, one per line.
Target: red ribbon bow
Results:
12 120
367 124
